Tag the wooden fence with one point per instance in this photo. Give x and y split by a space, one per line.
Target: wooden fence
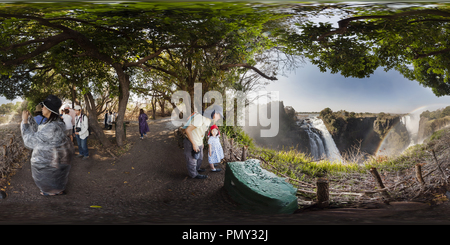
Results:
409 185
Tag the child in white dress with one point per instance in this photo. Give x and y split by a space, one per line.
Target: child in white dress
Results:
215 148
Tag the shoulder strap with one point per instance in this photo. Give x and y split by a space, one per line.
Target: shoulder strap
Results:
80 118
189 120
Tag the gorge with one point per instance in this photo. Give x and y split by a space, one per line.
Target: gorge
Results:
333 135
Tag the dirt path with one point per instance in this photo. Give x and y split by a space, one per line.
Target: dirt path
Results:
149 185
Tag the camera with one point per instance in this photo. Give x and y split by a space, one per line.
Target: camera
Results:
77 129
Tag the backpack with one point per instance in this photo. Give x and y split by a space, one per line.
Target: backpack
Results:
180 133
189 120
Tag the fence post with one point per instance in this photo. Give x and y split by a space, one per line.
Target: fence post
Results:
323 195
231 148
244 153
225 146
380 184
419 174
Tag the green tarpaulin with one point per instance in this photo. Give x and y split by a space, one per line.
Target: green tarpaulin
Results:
259 190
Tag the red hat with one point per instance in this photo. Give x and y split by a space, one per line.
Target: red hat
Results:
213 127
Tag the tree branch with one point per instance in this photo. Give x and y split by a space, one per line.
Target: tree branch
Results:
227 66
48 43
432 53
343 24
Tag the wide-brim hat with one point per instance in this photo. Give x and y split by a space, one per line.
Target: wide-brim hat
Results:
214 108
52 103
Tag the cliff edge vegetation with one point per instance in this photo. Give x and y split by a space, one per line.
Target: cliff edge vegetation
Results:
432 121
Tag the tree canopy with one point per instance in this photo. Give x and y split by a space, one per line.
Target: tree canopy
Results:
156 48
76 45
413 40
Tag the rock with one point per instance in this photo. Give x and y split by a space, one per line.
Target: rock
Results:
259 190
2 195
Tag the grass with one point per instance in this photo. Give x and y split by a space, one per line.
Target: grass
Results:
300 166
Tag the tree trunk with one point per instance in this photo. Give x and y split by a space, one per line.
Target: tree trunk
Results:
161 104
74 96
93 123
153 101
124 94
323 195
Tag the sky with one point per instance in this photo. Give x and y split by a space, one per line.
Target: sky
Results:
3 100
307 89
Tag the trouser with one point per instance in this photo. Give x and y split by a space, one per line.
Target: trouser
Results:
82 146
192 164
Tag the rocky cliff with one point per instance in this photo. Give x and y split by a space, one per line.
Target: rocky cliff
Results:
428 126
289 135
368 133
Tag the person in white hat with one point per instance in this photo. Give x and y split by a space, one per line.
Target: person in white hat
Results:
81 132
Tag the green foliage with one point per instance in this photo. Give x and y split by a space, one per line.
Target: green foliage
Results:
411 156
377 36
440 113
438 134
9 108
238 134
298 165
179 43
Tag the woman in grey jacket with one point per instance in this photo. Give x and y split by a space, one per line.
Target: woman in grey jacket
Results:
52 149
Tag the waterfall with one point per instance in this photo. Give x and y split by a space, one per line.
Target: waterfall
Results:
411 122
321 142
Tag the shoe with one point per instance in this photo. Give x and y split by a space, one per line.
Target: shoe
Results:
56 194
201 170
85 157
199 176
79 155
216 170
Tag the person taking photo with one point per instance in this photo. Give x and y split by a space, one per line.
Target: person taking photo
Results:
81 132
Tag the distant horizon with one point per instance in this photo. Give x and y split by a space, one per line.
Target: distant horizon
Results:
309 90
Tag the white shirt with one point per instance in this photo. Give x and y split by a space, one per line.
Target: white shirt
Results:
68 121
201 124
82 122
